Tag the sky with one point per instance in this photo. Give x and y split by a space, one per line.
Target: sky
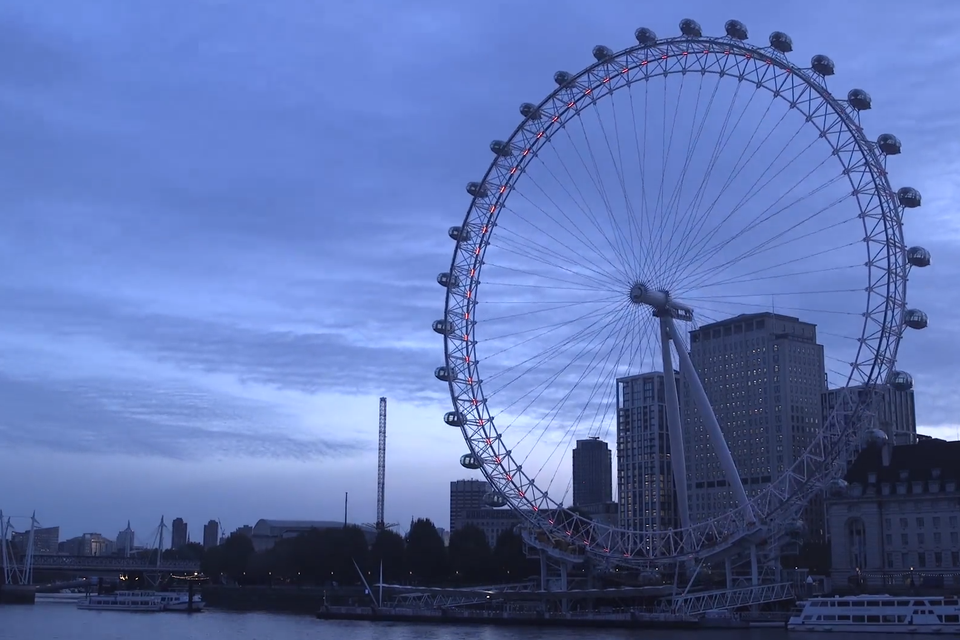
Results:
224 221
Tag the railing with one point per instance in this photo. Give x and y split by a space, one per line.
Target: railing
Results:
104 563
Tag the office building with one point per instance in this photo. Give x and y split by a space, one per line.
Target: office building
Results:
592 473
465 495
45 540
88 544
178 533
895 526
890 410
764 376
493 522
645 488
211 534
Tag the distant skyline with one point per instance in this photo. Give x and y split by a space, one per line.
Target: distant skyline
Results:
221 234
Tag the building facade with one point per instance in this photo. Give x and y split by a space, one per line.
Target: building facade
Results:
592 473
896 525
88 544
764 376
465 495
46 540
126 541
178 533
211 534
493 522
645 489
894 409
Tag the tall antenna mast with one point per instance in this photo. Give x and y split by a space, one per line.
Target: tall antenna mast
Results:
381 464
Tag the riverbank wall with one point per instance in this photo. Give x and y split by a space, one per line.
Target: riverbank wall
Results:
17 594
285 599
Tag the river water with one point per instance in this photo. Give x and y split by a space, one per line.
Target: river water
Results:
62 621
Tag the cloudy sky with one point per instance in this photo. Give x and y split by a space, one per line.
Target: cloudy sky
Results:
224 220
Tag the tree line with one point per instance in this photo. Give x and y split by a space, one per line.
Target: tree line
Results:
326 556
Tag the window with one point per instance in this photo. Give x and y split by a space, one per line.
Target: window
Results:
921 539
904 539
954 537
936 522
922 559
890 561
936 537
903 523
920 523
888 523
937 559
953 522
904 560
889 538
955 558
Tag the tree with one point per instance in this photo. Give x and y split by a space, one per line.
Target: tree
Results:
229 559
470 555
388 548
510 560
426 555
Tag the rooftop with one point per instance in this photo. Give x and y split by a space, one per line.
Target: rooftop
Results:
918 461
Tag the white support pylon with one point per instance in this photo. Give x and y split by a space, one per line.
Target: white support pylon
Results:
678 462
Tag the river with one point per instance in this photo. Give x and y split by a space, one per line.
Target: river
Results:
62 621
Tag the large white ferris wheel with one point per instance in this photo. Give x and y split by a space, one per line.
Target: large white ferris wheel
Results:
666 187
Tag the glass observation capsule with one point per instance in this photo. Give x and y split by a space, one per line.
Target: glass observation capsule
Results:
477 189
837 488
889 144
501 148
443 327
874 438
458 233
735 29
443 374
690 28
562 78
602 53
918 257
908 197
453 419
822 65
528 110
469 461
645 36
781 42
859 99
915 319
448 280
901 381
494 499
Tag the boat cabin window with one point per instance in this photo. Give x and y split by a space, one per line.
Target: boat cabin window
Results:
859 618
843 603
873 619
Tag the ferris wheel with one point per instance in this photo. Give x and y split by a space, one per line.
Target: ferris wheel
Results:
641 205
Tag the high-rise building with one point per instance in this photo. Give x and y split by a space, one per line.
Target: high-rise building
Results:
178 533
211 534
763 374
592 473
647 499
45 540
125 541
893 409
465 495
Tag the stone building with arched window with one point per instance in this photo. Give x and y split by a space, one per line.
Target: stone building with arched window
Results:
895 523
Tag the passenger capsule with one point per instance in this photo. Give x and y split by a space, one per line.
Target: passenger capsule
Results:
501 148
908 197
781 42
531 111
874 438
889 144
443 327
735 29
453 418
900 381
822 65
460 234
645 36
443 374
494 499
859 99
690 28
918 257
797 528
915 319
469 461
562 78
602 53
448 280
837 488
477 189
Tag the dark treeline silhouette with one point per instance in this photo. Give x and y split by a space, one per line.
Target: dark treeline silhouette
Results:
326 556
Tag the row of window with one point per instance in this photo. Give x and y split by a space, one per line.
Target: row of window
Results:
922 538
921 522
924 559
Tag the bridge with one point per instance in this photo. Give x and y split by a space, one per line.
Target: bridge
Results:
111 564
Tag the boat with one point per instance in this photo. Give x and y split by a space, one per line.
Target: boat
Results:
142 601
878 614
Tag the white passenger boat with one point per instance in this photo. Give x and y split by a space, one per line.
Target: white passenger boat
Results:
142 601
878 614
